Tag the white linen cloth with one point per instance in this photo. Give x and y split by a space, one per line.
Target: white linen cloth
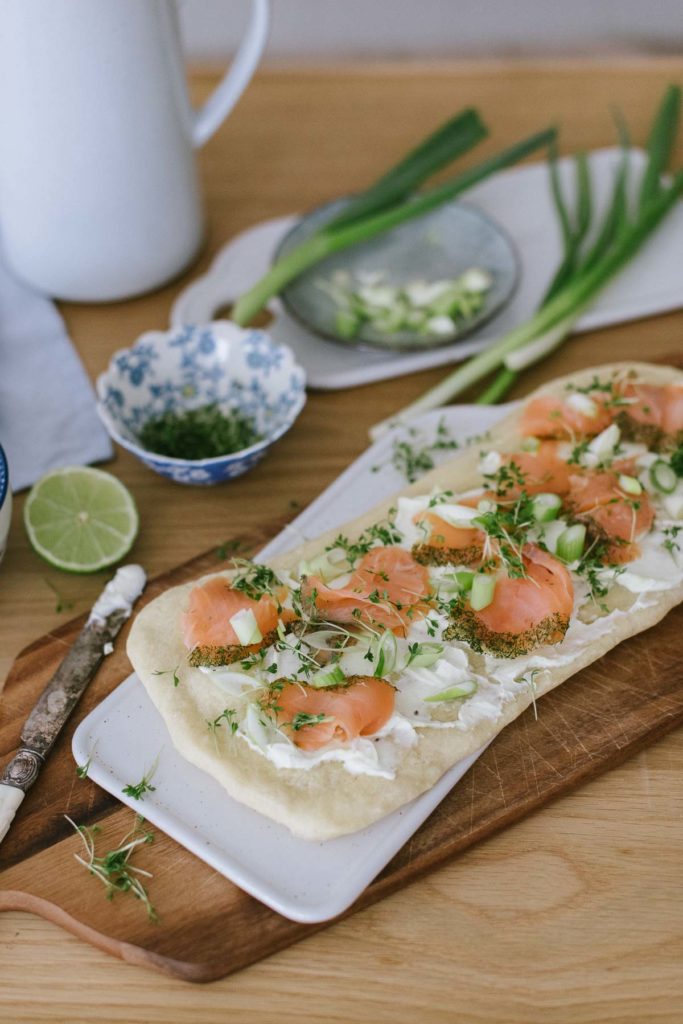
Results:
47 404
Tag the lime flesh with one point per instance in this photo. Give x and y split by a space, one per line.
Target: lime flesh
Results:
80 519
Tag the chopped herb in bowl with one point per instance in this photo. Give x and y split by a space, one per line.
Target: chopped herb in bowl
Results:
203 433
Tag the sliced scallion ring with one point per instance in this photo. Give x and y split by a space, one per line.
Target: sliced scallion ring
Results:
385 650
424 655
530 444
464 689
570 543
546 507
663 477
332 676
483 589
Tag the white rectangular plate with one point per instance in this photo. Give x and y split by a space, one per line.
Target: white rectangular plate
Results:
304 881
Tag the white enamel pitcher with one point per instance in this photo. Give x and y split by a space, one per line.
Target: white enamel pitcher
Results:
98 186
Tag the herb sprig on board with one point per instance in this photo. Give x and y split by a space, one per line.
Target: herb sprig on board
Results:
114 868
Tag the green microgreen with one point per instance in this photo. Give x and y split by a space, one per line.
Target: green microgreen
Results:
203 433
254 579
168 672
114 869
83 769
382 533
138 789
228 716
671 544
302 719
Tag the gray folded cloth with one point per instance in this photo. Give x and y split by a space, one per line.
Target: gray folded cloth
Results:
47 404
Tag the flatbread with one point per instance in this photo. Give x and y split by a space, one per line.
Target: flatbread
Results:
328 801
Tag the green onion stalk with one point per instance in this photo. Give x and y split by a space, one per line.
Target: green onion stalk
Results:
341 234
579 279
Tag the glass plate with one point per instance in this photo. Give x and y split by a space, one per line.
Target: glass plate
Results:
440 245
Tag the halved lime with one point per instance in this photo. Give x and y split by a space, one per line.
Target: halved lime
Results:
80 519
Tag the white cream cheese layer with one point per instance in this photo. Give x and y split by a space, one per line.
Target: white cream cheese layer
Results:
376 755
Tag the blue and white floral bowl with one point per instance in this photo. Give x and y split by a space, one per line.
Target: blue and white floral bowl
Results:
5 502
187 367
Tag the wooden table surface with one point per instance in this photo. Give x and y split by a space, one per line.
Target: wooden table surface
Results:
573 915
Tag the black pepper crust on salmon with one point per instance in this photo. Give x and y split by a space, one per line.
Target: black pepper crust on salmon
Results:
430 554
466 627
205 656
648 434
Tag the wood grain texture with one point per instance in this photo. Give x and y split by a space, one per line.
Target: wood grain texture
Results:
627 699
574 915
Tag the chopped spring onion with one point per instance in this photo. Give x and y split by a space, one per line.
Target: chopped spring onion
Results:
663 477
465 579
465 689
602 447
483 589
332 676
424 655
385 651
530 444
246 627
582 404
456 582
430 309
570 543
546 507
381 218
327 566
325 639
630 484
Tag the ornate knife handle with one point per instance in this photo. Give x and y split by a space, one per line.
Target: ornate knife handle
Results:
17 779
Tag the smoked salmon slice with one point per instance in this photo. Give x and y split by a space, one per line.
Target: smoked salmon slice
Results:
387 588
445 544
552 417
525 612
359 708
652 414
615 516
542 470
206 623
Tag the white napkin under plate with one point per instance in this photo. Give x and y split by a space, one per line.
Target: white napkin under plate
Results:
47 404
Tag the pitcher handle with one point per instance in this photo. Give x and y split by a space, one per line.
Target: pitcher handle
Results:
224 97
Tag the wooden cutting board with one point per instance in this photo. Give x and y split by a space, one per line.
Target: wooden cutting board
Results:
208 927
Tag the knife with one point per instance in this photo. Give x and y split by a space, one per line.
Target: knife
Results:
60 696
